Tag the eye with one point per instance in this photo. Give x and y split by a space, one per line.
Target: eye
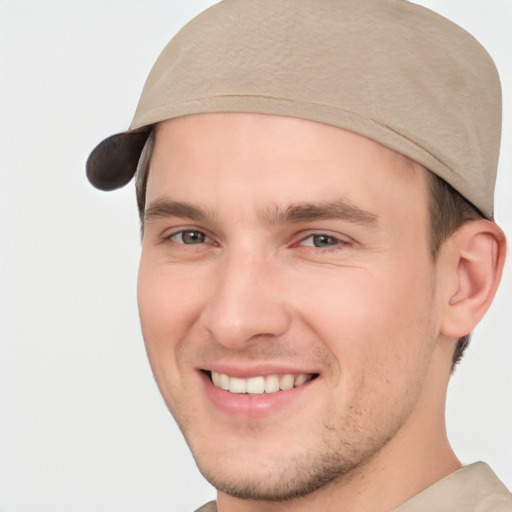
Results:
321 241
188 237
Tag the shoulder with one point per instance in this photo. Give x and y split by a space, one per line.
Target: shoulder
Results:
208 507
474 488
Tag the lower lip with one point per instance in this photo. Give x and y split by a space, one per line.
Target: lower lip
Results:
246 405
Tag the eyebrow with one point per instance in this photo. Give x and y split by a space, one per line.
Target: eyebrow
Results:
273 215
326 210
168 208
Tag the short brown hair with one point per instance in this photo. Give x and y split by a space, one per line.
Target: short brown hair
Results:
448 211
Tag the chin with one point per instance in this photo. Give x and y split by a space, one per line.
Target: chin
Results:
285 477
283 483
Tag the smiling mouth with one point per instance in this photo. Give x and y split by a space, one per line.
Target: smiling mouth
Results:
260 384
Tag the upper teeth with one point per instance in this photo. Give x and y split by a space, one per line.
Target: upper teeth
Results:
258 385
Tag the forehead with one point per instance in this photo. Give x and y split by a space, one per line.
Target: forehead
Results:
256 159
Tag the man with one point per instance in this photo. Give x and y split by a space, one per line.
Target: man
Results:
315 184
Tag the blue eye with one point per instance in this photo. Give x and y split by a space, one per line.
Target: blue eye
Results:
321 241
189 237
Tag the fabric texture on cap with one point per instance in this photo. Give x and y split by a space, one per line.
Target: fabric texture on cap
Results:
390 70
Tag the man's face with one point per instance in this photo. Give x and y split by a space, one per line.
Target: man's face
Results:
281 252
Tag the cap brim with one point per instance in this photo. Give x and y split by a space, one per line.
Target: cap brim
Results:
113 162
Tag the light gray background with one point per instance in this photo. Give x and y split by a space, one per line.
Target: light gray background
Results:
82 426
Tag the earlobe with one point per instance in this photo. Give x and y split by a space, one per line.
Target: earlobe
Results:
473 263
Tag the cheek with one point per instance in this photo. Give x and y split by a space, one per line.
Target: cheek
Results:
168 307
167 301
380 339
166 312
368 318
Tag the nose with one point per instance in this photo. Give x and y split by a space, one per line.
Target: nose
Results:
246 303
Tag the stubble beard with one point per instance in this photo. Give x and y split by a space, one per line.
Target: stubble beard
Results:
335 462
345 450
294 479
347 447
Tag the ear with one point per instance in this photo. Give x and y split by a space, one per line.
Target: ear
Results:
470 267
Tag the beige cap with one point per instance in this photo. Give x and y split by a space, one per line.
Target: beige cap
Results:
391 70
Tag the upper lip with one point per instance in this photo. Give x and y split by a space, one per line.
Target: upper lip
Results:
246 371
